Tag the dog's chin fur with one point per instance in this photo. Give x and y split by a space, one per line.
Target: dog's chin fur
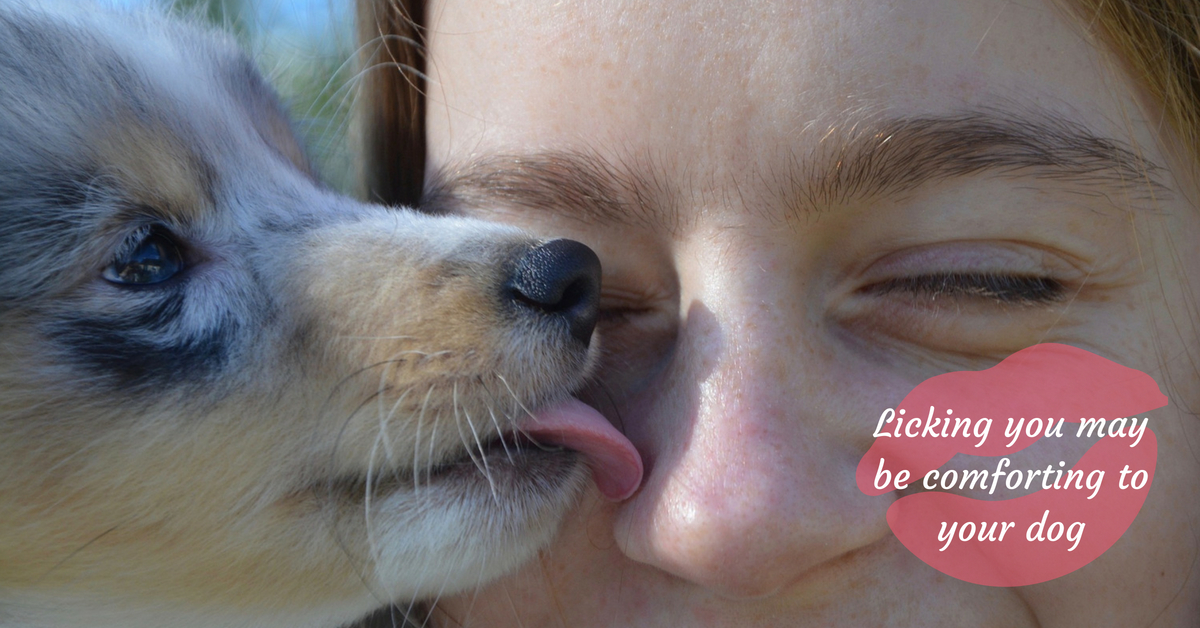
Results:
300 426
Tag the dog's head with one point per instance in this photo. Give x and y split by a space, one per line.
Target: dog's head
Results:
229 396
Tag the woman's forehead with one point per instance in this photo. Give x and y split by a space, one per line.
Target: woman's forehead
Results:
730 83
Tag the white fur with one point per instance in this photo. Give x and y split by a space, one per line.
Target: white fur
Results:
264 441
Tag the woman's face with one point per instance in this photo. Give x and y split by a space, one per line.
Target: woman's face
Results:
804 209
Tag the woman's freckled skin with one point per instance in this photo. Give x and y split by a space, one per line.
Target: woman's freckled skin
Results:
751 386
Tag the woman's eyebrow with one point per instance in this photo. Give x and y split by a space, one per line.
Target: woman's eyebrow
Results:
901 154
849 163
592 187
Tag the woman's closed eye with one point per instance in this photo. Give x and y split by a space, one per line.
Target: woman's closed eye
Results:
998 287
969 298
638 329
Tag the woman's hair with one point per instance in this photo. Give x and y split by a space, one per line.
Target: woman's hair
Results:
392 101
1159 41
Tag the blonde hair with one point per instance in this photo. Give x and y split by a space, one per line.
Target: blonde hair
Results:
1159 41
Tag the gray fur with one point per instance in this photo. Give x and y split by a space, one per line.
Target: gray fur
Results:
281 434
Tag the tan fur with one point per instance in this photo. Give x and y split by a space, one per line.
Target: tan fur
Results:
321 462
153 166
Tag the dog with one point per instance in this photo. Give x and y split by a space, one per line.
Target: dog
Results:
231 397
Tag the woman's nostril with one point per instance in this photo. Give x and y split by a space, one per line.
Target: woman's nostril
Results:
560 278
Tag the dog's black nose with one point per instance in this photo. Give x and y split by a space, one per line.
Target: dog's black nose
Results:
560 278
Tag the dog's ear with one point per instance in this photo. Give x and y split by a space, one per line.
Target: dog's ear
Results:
391 105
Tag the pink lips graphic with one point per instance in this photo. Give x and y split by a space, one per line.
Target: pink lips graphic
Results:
1043 381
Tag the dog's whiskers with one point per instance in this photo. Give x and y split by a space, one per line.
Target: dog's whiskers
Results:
503 443
270 398
353 84
417 442
385 420
480 460
368 492
383 379
491 404
487 471
520 405
437 420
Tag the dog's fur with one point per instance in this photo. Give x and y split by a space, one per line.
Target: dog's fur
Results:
287 433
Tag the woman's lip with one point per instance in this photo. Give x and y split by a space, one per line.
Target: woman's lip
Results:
615 463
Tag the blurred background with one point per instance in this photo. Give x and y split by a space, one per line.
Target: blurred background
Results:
306 49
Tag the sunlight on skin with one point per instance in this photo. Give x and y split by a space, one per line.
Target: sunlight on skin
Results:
764 306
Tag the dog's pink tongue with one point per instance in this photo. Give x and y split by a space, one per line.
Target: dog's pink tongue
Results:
616 465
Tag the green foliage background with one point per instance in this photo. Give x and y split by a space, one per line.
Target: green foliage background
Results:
310 62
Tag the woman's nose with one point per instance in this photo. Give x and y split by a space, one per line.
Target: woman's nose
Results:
751 462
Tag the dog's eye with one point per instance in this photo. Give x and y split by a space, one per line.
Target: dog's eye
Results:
148 257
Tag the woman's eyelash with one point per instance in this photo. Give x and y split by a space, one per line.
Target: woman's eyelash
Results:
1008 289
